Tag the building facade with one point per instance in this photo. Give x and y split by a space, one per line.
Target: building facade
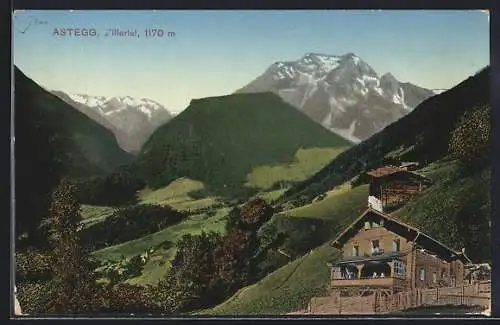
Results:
383 254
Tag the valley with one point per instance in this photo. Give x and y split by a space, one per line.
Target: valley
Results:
249 199
177 195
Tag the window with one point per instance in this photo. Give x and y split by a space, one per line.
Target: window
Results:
399 269
396 245
422 275
367 225
434 277
355 250
376 248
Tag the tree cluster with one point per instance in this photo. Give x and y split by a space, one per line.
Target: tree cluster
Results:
129 223
471 139
116 189
63 280
209 268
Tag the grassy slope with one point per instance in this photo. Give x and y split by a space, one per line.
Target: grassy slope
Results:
287 289
176 194
220 141
92 214
270 196
437 210
193 224
157 265
290 287
307 162
339 204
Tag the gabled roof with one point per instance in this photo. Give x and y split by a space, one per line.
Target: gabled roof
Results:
384 171
413 234
391 170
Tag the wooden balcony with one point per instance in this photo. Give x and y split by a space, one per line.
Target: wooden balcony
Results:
385 282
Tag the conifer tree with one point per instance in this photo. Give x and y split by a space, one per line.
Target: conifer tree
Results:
74 289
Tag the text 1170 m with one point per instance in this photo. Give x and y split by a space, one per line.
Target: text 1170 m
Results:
158 32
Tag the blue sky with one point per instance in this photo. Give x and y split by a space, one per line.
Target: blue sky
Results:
216 52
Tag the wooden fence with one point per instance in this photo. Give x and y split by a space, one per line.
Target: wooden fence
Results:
477 294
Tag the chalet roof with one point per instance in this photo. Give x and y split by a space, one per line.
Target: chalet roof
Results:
421 239
485 266
390 170
384 171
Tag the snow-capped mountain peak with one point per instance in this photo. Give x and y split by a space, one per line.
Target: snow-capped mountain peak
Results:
341 92
91 101
111 105
439 91
131 119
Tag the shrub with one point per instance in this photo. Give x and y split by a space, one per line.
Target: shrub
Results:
127 298
303 234
251 216
190 282
35 297
33 265
471 139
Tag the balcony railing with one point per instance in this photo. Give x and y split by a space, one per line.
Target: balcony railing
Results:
369 281
377 251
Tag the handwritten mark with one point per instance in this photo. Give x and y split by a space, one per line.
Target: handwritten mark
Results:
31 22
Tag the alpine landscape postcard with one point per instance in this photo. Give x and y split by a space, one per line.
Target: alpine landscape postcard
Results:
251 163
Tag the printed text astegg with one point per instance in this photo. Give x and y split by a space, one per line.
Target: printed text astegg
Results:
113 32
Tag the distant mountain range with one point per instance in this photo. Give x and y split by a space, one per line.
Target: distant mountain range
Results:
132 120
342 93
